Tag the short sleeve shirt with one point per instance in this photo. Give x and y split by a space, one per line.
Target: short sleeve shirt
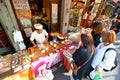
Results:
40 38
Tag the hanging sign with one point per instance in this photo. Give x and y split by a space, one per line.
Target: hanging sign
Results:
23 12
54 13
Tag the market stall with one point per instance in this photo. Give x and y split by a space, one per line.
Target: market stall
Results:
50 57
30 61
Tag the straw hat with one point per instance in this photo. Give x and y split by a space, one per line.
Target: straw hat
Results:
38 26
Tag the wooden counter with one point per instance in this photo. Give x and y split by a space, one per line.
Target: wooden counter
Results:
50 49
25 74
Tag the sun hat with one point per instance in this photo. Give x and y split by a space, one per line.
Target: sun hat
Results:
38 26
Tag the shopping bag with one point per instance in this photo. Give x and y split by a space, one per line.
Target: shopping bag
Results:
46 76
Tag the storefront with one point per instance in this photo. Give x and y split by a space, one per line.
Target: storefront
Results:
30 12
27 64
78 14
55 18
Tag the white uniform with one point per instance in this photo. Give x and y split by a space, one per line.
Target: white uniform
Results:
40 38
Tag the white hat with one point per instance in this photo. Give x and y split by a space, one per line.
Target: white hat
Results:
38 26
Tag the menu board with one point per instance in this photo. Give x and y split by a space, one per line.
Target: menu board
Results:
23 12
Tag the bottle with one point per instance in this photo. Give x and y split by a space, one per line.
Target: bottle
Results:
98 76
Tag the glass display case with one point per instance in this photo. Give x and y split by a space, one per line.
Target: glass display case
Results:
20 61
5 63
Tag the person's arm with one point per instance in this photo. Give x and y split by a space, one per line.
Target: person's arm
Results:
34 45
108 60
114 29
47 38
46 35
32 40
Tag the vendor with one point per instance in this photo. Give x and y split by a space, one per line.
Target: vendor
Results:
39 35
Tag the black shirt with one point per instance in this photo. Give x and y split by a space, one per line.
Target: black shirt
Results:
80 56
96 38
118 27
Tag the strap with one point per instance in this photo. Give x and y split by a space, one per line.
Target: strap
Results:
108 50
75 66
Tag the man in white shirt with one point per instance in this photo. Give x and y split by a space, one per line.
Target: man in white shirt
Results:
40 35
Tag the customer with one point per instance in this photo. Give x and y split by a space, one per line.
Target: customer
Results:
116 25
83 55
39 35
96 33
98 63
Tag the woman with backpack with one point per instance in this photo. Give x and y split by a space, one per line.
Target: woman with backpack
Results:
105 54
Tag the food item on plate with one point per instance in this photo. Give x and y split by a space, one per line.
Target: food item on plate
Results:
61 36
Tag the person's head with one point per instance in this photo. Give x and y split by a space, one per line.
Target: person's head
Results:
108 37
38 27
75 40
87 41
97 27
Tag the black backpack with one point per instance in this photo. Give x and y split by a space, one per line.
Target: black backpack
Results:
115 62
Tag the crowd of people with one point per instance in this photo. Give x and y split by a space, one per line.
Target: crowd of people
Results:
94 52
90 54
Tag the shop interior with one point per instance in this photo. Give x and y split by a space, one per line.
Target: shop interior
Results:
41 12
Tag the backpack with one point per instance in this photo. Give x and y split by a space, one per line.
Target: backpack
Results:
115 62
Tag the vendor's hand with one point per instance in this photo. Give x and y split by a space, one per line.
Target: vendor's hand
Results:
46 42
35 46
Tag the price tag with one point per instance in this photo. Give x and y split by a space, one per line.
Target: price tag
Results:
27 65
18 69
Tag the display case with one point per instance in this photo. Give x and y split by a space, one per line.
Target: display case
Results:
13 63
5 63
20 61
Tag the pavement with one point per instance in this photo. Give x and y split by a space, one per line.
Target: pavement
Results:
111 75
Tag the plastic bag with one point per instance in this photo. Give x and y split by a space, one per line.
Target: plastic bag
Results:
22 46
46 76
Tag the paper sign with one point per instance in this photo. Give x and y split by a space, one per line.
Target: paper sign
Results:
28 32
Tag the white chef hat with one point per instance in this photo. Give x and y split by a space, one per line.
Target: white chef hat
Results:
38 26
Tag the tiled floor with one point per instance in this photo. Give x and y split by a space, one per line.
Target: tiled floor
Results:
59 74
